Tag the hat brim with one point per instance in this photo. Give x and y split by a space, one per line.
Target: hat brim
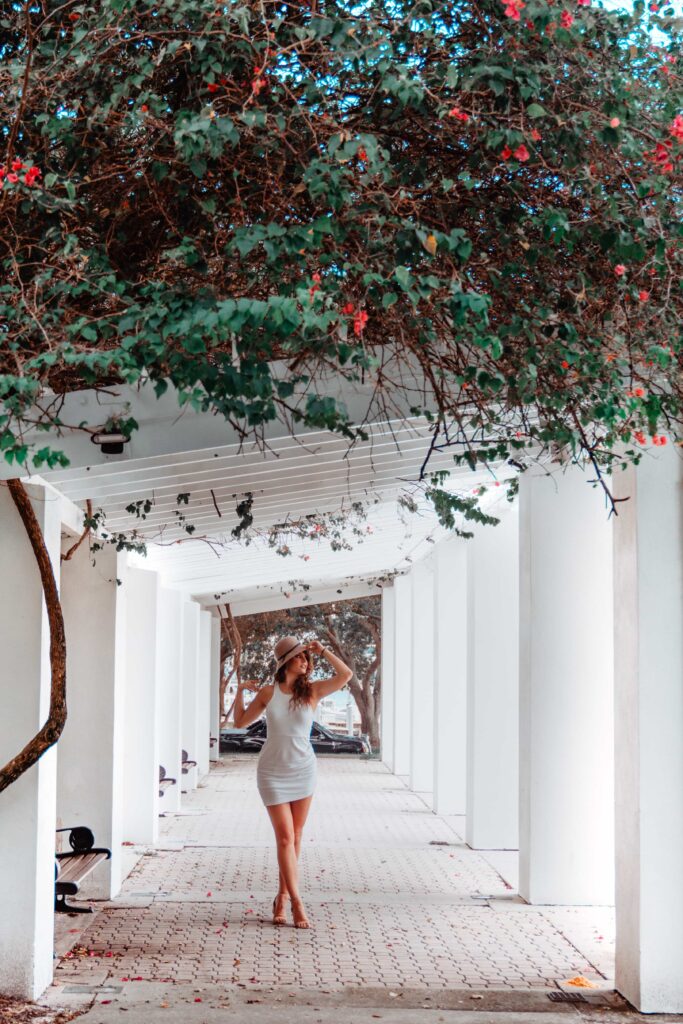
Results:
289 655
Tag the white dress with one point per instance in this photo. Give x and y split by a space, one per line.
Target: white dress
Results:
286 766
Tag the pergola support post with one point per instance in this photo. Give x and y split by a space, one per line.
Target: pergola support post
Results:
493 686
28 805
648 583
450 677
566 853
90 771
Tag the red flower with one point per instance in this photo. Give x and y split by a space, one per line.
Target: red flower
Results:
566 19
362 155
17 165
643 295
536 135
512 12
658 439
74 16
565 364
584 3
614 122
212 86
316 277
359 322
257 85
639 392
506 152
522 153
458 114
347 309
676 128
13 178
640 437
620 270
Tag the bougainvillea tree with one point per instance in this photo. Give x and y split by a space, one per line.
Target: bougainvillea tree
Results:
484 198
475 207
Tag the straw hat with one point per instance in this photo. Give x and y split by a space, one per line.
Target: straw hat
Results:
286 649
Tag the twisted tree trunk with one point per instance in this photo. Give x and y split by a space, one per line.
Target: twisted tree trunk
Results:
52 730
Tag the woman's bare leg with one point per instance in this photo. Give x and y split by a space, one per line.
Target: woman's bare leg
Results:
300 809
283 826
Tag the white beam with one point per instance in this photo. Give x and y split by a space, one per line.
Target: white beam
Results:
27 807
566 843
388 694
450 676
648 580
493 686
422 680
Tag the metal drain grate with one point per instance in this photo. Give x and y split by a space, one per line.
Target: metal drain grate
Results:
566 997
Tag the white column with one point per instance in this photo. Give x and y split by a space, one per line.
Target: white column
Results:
387 693
422 681
648 563
27 807
203 695
493 686
141 738
402 674
450 676
215 687
566 842
170 693
90 768
189 686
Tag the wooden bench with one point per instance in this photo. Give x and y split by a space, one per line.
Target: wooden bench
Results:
71 868
186 763
164 780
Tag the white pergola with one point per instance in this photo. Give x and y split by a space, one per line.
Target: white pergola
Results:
532 677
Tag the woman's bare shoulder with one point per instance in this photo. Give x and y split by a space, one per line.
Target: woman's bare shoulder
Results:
266 692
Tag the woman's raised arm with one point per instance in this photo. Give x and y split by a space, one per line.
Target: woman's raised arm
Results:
245 716
342 672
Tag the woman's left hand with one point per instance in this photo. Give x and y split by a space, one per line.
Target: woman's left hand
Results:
315 647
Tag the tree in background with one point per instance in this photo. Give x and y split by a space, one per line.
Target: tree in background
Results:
352 629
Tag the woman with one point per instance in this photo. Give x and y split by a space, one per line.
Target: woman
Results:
286 771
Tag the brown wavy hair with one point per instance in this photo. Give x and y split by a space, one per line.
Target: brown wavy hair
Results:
302 688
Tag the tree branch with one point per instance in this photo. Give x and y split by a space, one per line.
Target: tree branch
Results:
52 730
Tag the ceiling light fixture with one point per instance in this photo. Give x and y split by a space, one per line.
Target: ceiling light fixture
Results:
111 442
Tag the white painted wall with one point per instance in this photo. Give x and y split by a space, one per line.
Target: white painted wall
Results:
215 711
27 807
90 768
189 689
648 576
388 691
450 676
493 685
204 695
422 681
170 647
141 735
402 674
566 852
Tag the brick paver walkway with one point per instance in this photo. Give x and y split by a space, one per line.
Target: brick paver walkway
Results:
395 899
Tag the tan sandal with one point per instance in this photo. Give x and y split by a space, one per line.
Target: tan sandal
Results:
280 918
303 921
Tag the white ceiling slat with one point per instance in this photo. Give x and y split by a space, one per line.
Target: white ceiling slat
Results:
315 473
223 458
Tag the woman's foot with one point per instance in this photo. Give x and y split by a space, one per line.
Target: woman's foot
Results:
279 916
299 914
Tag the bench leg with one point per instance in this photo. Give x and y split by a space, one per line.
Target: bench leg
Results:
62 907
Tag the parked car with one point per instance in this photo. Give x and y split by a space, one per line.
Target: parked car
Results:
251 739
